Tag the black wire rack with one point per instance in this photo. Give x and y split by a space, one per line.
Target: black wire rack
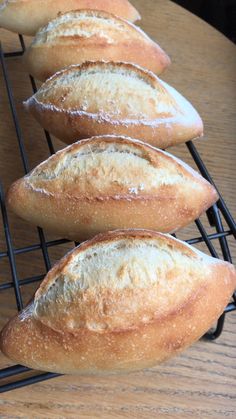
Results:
214 214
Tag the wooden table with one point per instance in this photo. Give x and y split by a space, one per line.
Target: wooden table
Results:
200 382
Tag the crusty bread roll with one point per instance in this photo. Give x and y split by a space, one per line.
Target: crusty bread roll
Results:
27 16
123 301
99 98
106 183
90 35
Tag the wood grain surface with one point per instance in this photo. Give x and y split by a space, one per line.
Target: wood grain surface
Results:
202 381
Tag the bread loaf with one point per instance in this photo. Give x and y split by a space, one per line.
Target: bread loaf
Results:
27 16
99 98
90 35
106 183
123 301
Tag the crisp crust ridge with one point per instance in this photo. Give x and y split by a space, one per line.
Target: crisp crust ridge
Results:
51 171
66 17
42 97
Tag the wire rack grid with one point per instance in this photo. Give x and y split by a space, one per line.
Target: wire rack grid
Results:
214 215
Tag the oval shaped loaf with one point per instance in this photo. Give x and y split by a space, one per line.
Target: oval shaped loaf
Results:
89 35
27 16
99 98
106 183
123 301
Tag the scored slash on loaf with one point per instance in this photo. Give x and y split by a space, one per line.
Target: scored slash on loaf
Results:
99 98
90 35
106 183
27 16
121 302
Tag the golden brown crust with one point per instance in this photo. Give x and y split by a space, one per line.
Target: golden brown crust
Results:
142 106
28 341
148 76
90 217
70 128
78 207
27 16
85 37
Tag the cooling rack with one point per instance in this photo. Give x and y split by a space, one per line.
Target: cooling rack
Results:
215 216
